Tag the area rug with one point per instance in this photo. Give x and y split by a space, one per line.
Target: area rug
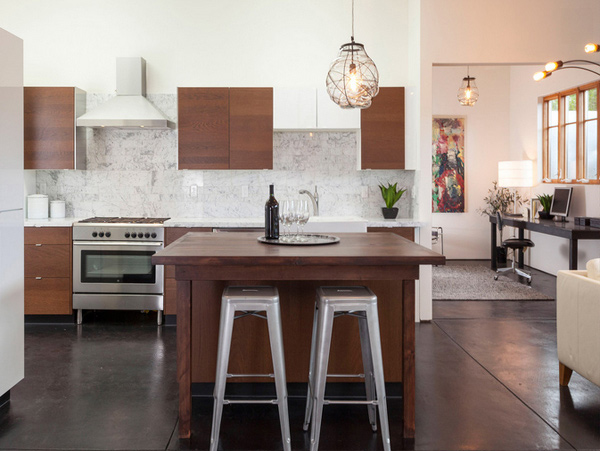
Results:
476 283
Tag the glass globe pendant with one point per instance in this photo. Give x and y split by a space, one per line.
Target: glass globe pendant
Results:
468 93
353 79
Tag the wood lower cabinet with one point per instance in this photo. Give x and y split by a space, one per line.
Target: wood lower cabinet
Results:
382 131
405 232
51 139
48 271
170 286
225 128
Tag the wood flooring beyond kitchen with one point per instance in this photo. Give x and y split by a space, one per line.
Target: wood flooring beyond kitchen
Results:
487 379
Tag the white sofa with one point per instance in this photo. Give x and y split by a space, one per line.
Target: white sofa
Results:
578 322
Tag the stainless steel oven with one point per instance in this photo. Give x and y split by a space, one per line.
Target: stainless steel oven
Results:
112 267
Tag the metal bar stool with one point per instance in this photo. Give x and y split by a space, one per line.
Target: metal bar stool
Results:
333 302
250 301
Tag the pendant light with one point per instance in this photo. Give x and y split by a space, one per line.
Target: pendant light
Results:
353 79
468 93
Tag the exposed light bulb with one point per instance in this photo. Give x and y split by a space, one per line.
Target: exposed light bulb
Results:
591 48
468 93
541 75
553 65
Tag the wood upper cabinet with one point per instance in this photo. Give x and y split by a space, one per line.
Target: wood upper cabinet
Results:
382 131
52 141
48 271
225 128
251 128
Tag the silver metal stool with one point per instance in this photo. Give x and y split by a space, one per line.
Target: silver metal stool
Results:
250 301
331 303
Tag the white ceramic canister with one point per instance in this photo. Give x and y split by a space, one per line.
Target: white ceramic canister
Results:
37 206
57 209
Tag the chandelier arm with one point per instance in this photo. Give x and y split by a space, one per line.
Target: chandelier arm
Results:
581 61
577 67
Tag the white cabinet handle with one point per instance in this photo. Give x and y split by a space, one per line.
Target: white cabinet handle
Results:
38 278
38 244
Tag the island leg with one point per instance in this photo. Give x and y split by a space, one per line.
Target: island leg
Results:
493 239
408 356
184 356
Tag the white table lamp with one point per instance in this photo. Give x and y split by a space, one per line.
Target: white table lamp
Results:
515 174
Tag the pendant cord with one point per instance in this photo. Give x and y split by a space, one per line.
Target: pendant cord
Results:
352 21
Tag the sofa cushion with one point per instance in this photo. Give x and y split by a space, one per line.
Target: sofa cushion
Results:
593 269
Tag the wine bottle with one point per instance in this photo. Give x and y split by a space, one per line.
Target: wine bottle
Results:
272 216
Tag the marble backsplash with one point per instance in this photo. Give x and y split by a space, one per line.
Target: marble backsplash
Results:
134 173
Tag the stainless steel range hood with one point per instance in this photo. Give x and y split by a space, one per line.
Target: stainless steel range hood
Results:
130 108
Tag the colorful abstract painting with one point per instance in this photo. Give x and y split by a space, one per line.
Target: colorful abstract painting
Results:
448 163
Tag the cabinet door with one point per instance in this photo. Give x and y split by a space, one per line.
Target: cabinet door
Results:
251 128
49 128
50 296
331 116
203 124
382 131
294 108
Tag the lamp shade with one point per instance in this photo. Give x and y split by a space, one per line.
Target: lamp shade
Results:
515 174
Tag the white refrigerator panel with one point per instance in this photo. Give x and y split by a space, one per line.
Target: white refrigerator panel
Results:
12 344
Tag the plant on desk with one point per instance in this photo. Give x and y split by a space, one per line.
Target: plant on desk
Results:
546 202
499 200
391 194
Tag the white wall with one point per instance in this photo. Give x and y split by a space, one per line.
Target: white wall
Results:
491 32
202 43
550 254
467 235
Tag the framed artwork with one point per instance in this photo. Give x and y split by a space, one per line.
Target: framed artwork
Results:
448 165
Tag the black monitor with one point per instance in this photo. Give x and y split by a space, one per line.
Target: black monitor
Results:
561 202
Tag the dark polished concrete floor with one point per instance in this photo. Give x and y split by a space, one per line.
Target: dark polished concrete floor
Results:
487 379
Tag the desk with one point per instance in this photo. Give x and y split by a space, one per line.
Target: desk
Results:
567 230
204 260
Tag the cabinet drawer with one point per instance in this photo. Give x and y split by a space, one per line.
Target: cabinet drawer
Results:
48 235
47 260
48 296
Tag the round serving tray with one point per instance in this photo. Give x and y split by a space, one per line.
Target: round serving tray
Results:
312 239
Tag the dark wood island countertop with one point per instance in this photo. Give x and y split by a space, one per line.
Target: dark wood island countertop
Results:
206 262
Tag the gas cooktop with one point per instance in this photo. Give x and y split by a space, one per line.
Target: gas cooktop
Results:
117 220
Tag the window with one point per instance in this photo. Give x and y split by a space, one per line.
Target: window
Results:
570 136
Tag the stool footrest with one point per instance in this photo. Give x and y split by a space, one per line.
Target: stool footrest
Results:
347 401
251 375
346 375
250 401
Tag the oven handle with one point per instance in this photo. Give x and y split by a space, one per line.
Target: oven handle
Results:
115 243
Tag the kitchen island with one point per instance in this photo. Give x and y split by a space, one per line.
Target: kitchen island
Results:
206 262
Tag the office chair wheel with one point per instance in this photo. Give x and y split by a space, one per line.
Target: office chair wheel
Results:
528 281
496 277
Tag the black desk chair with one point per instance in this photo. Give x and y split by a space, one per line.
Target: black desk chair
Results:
515 244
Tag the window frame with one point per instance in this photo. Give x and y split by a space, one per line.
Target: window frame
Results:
580 162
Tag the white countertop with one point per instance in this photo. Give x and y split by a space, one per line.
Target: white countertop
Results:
51 222
240 222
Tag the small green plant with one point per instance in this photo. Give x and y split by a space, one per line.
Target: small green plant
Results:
391 194
545 201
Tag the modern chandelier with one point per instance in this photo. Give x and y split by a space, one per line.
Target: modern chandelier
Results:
468 93
353 79
553 66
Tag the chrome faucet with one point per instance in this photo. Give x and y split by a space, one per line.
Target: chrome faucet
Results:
314 198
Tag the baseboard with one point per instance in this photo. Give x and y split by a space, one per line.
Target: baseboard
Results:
50 319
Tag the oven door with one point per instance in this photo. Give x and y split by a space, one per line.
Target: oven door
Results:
116 267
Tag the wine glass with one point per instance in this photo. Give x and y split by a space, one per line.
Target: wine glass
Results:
302 218
292 218
284 217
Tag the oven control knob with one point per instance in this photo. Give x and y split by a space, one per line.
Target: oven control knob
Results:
108 234
101 234
94 234
127 235
134 235
153 235
147 235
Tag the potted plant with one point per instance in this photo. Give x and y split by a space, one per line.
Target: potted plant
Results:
499 200
546 203
391 194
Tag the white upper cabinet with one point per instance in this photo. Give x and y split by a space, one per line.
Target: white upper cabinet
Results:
331 116
310 109
294 108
